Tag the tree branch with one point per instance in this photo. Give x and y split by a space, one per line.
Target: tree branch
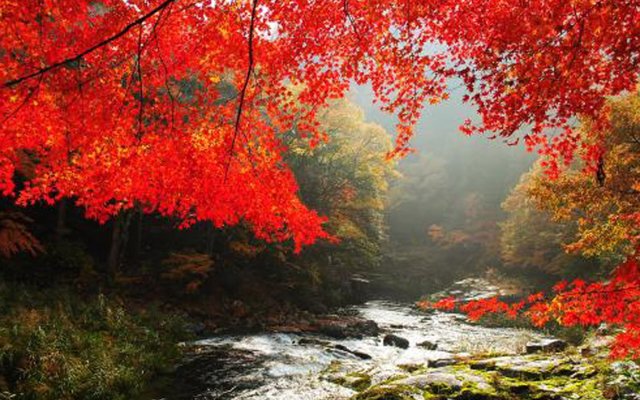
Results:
243 92
77 57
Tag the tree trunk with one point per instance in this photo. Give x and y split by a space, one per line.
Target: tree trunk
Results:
119 236
61 228
137 244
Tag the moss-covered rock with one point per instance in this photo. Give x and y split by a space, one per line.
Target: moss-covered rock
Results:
390 391
357 381
569 379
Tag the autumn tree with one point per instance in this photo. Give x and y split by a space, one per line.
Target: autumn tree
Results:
531 241
605 205
118 101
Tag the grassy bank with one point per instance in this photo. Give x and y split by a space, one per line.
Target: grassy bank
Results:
56 344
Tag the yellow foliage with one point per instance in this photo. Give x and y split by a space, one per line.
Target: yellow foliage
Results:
190 268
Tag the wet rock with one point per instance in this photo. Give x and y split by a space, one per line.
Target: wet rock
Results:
428 345
333 330
313 342
367 328
442 362
546 346
359 354
394 340
341 329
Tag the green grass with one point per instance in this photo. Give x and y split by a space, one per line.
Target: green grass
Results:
57 345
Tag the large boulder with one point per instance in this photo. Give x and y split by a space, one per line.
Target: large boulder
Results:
394 340
546 346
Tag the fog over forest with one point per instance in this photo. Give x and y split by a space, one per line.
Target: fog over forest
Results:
452 181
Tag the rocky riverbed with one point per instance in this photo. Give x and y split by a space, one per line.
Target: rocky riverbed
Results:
389 351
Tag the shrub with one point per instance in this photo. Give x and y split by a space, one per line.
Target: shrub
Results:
71 348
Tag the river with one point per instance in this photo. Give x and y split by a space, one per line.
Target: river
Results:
287 366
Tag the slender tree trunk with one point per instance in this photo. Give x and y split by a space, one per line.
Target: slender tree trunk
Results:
119 236
137 244
61 228
210 238
113 263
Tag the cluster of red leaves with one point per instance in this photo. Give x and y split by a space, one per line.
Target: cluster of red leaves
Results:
177 105
615 302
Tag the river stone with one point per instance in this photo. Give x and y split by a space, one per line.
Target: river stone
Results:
437 381
394 340
359 354
442 362
313 341
367 328
340 329
546 346
428 345
533 367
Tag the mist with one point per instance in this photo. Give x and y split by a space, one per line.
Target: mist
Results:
444 206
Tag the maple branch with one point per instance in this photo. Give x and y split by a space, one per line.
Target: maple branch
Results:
166 70
91 49
31 92
243 92
141 87
345 7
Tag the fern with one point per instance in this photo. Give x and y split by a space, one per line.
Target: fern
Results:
14 235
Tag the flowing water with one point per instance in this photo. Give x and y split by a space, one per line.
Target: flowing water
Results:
290 366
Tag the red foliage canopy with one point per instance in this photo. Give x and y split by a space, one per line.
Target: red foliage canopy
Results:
177 105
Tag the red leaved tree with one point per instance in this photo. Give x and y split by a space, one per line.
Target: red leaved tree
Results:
177 105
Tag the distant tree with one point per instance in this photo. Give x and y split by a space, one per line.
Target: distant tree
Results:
346 177
530 239
605 205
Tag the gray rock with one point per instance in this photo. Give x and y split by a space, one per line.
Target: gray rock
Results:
428 345
355 329
440 381
313 341
546 346
367 328
443 362
359 354
397 341
532 366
